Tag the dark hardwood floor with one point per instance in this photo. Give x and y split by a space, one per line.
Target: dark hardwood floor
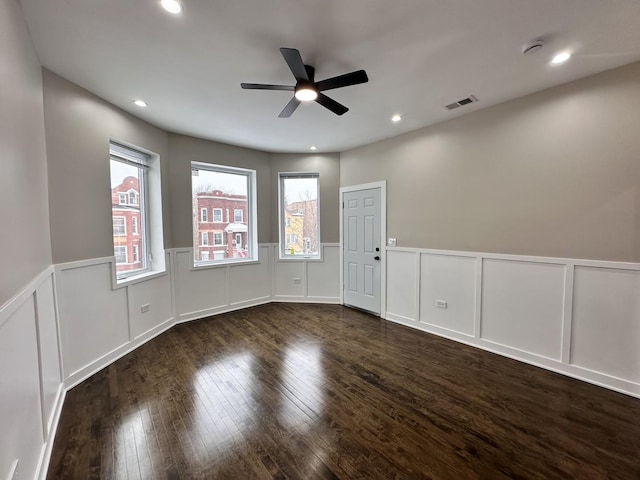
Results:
317 392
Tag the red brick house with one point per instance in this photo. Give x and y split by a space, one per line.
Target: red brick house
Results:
220 221
127 225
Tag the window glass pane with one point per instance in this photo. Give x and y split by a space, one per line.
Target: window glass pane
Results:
120 254
127 183
226 193
300 215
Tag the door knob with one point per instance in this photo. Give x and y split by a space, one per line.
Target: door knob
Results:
376 257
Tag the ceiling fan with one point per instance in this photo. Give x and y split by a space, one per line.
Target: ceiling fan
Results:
306 88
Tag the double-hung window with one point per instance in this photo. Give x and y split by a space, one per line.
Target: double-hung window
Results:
220 189
129 182
299 213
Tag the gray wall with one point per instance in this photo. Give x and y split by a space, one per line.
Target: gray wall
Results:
555 173
328 166
79 127
25 249
183 150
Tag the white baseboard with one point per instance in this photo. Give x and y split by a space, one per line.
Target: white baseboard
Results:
197 315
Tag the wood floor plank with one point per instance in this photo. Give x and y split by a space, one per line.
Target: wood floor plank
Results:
295 391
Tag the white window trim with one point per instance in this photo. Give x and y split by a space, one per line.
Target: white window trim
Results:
204 239
204 217
135 225
135 253
281 218
221 239
150 226
213 212
235 215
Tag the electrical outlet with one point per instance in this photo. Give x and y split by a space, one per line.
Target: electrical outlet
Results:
391 242
297 281
441 304
145 308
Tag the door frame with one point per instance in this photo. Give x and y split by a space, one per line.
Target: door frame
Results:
382 185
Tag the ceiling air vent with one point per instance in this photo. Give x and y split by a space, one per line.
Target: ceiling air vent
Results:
461 103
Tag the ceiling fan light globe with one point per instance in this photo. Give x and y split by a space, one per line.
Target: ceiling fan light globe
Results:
306 94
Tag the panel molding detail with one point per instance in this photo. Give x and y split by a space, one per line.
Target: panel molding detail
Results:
31 361
580 318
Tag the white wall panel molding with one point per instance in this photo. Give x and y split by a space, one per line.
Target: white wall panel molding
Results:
31 383
307 280
577 317
201 292
100 320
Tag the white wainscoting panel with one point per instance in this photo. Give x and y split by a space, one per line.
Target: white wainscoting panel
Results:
251 284
323 278
522 305
20 407
156 292
199 292
605 333
286 274
49 359
93 317
576 317
304 280
401 285
450 279
31 393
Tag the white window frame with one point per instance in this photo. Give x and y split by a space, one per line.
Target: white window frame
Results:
126 253
215 242
204 215
136 253
237 211
124 226
284 222
214 215
204 239
135 230
252 212
149 208
122 198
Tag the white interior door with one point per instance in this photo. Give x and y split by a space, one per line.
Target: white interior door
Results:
362 254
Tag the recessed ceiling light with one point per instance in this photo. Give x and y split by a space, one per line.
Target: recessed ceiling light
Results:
140 103
561 58
396 118
313 148
171 6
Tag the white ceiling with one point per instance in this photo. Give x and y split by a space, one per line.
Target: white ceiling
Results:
419 55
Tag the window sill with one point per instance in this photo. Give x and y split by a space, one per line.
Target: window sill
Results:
224 263
300 258
139 278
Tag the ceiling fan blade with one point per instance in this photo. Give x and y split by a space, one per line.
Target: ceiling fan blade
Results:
288 110
331 104
296 65
264 86
353 78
